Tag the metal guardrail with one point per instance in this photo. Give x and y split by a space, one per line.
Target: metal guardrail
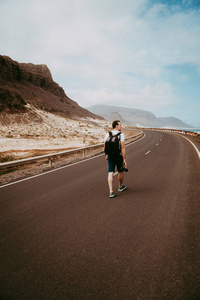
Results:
52 156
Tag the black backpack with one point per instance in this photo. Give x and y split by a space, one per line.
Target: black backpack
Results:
112 145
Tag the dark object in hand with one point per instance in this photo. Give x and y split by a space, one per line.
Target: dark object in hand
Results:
123 169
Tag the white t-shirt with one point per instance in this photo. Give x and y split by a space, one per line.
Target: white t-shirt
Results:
114 132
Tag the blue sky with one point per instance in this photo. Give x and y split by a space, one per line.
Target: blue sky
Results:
133 53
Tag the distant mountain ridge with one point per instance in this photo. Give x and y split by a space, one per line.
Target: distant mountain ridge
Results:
26 83
137 117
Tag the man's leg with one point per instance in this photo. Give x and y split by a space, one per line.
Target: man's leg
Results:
122 187
119 166
120 178
110 181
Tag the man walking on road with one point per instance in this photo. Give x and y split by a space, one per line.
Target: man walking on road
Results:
115 155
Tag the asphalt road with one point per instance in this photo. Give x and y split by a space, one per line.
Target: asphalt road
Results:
62 237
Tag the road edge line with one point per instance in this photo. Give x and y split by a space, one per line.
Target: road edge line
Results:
195 147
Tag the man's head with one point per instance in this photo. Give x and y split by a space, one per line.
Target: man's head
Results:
117 125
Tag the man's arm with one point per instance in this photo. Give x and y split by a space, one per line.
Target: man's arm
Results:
123 152
105 138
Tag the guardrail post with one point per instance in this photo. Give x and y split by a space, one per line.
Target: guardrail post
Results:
83 153
50 162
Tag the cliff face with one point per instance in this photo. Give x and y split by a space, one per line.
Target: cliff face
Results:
12 70
11 101
22 83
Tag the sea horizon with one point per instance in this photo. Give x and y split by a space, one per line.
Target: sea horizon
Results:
196 130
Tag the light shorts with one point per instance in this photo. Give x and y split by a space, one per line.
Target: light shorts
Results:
115 160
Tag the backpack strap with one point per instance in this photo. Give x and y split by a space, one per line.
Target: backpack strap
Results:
110 133
119 135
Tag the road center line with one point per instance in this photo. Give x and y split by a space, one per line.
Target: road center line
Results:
147 152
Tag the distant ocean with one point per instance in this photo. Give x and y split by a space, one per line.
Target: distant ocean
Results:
192 130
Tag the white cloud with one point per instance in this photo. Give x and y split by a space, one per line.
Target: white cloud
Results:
103 33
195 106
148 97
90 46
183 78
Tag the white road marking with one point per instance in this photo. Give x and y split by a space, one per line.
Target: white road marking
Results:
157 144
50 171
115 173
147 152
198 152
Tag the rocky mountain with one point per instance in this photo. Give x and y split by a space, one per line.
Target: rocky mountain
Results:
136 117
26 83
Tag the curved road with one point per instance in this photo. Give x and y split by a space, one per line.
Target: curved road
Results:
63 238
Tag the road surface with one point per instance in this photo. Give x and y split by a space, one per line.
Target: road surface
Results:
62 237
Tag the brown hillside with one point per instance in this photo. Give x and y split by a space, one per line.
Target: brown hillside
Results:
22 84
